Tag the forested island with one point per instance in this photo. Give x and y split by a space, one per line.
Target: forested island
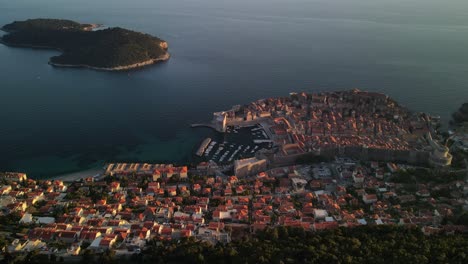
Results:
111 49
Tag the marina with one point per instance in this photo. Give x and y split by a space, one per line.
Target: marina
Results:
237 143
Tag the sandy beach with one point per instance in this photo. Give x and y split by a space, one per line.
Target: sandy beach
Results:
79 175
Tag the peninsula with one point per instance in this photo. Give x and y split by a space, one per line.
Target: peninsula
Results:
110 49
357 124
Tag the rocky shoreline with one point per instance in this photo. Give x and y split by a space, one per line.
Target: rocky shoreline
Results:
165 57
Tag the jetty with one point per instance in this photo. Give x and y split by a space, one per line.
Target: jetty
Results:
204 125
203 146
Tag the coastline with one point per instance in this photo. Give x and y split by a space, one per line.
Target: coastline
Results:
69 177
165 57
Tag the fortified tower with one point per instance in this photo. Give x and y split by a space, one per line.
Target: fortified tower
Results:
220 121
440 156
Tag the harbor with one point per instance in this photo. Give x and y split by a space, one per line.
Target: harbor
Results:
236 143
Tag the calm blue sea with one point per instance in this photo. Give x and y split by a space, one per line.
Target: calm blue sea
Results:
224 52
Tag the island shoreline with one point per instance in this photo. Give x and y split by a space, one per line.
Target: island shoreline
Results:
114 69
137 65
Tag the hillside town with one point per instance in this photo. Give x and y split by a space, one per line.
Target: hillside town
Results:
326 161
131 204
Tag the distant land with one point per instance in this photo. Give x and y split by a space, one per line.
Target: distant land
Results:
110 49
461 115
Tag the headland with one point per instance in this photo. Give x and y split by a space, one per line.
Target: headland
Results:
354 123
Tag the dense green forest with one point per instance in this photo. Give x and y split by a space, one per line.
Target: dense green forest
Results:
45 24
382 244
367 244
107 48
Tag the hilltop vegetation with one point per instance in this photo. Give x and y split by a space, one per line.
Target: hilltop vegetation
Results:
111 48
377 244
382 244
45 24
